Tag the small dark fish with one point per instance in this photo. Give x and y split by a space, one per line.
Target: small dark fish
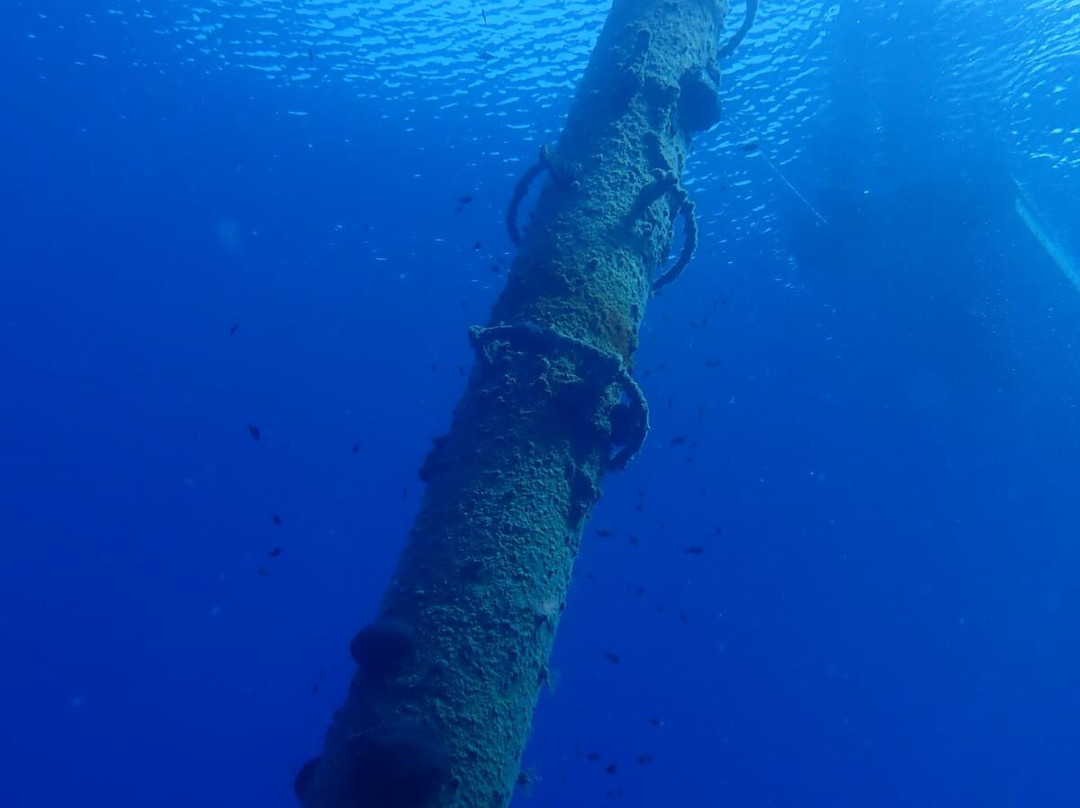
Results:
714 361
655 721
679 440
495 269
254 432
315 688
750 147
592 757
718 530
274 553
233 327
611 768
484 15
604 533
311 55
634 540
696 549
639 591
461 202
476 246
404 492
263 571
461 370
356 448
276 520
612 657
644 759
683 617
486 55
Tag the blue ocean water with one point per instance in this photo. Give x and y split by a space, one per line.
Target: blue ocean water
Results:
865 395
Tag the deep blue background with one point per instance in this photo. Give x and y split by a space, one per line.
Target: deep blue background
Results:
882 461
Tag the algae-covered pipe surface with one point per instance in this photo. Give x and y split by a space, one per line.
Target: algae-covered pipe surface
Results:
448 675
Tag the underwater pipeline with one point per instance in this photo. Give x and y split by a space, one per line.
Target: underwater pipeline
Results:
449 673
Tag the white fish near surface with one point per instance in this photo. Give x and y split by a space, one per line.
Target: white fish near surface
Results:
1057 253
